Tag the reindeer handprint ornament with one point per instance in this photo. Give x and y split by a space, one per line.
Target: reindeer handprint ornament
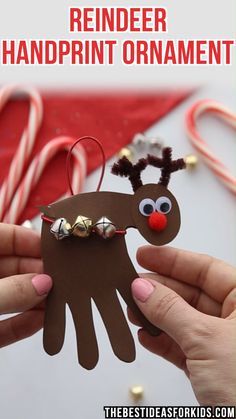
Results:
90 261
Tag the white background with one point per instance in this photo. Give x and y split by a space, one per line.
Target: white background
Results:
36 386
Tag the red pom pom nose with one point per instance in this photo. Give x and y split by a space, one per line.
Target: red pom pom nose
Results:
157 221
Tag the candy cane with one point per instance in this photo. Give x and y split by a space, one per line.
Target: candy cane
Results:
201 107
21 180
36 169
26 143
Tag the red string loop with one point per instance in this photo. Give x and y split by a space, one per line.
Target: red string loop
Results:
68 161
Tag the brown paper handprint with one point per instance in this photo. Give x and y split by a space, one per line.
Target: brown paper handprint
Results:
89 261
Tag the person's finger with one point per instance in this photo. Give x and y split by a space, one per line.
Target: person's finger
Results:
20 327
164 346
167 310
214 276
22 292
19 241
16 265
229 305
193 295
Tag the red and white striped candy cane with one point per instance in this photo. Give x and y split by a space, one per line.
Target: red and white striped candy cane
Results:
36 169
206 106
26 142
16 188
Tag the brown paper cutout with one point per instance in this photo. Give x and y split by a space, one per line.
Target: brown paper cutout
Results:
95 268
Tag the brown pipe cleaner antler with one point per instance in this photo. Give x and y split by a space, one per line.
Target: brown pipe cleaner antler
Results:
133 171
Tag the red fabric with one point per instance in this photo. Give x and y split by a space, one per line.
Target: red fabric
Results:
112 118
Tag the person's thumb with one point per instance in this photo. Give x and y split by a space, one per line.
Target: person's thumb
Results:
165 309
21 292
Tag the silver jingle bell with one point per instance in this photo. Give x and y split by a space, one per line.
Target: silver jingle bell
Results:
139 142
60 229
156 144
105 228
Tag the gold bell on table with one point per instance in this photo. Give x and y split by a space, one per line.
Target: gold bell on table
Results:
126 152
191 161
82 226
137 393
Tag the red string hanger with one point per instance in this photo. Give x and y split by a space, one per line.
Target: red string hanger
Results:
68 161
68 173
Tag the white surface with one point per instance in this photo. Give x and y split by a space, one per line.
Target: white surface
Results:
36 386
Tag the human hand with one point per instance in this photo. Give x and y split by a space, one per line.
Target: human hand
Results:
21 291
192 298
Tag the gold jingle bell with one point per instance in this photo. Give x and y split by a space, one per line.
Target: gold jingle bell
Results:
191 161
82 226
137 393
126 152
60 228
105 228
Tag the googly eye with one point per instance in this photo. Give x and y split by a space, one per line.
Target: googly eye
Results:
163 205
147 207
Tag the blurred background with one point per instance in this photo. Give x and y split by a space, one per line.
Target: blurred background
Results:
151 99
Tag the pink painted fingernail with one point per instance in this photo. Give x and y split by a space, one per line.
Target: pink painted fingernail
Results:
42 284
142 289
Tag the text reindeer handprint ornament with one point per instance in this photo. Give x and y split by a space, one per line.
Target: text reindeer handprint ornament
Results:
84 250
